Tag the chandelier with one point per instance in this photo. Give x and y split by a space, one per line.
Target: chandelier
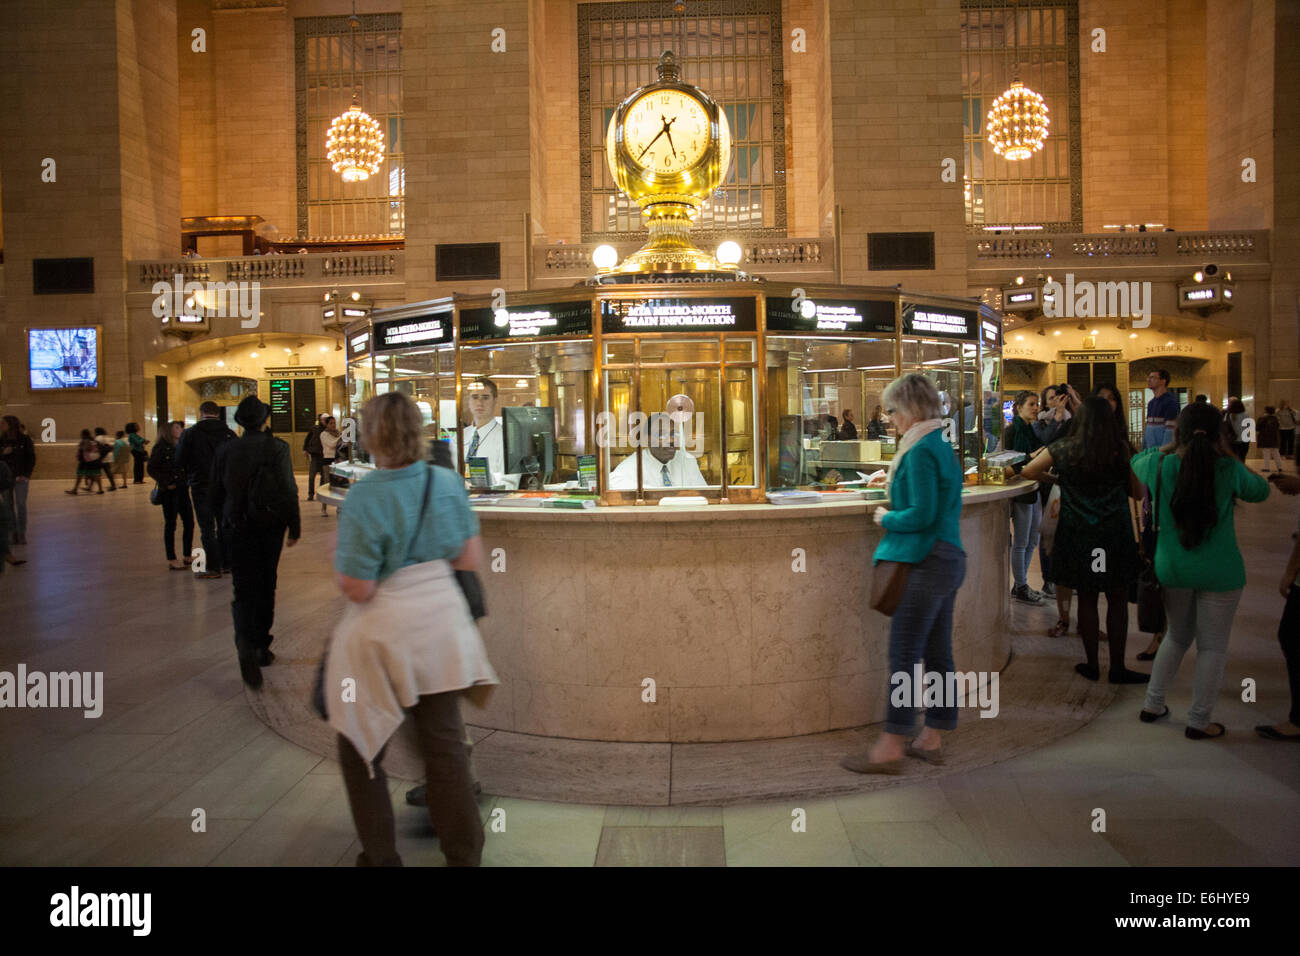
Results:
1017 123
354 144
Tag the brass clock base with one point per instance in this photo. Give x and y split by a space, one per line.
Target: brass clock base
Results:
669 248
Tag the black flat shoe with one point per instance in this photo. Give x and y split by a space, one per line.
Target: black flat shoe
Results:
1144 656
1091 673
1191 733
1272 733
1127 676
266 658
1147 717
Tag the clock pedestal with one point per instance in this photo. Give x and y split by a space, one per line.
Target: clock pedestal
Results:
669 248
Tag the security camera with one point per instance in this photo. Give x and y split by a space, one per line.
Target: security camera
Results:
1211 270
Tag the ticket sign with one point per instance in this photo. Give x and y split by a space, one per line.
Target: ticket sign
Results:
940 322
831 315
679 315
521 322
413 332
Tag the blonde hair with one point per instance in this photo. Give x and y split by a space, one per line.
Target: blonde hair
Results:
914 394
390 429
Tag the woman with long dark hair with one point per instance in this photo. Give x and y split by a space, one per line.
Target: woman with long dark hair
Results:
1027 509
175 493
1094 551
1197 560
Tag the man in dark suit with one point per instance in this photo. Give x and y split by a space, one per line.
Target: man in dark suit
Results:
195 453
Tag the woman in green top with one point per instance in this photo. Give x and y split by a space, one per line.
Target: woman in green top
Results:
1197 560
922 530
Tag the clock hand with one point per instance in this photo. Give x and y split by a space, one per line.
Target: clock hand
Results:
667 132
670 142
649 144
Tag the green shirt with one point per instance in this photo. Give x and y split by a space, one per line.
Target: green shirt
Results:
1215 564
377 523
924 502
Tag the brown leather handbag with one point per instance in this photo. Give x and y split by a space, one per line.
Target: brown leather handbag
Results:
888 580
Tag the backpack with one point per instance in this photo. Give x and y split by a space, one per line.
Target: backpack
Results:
265 507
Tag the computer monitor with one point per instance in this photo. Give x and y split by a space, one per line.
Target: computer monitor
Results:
528 445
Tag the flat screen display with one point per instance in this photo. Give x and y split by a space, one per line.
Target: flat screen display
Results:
63 358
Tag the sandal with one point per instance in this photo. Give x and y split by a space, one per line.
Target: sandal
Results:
1061 629
1191 733
1148 717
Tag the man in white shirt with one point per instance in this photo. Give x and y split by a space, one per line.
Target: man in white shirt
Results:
483 439
663 465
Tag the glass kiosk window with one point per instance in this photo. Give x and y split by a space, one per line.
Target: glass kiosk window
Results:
811 381
549 385
946 363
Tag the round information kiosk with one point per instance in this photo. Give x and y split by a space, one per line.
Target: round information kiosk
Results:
669 464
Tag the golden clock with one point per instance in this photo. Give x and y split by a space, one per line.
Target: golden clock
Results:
668 146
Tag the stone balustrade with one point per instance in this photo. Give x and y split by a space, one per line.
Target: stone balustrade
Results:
287 271
1180 249
759 257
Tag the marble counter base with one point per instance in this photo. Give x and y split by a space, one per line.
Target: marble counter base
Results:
749 630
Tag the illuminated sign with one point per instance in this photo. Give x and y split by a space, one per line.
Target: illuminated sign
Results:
358 343
1018 297
281 405
832 315
936 322
526 321
679 315
1198 295
990 333
409 333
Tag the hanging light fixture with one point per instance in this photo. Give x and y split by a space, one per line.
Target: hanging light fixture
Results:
354 144
1017 122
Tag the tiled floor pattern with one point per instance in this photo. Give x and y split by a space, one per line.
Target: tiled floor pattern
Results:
177 735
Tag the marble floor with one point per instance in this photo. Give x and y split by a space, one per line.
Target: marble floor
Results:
178 736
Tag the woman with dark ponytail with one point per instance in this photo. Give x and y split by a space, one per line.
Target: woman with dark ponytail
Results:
1196 560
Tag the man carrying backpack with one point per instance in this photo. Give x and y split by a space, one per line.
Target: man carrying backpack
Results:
254 492
315 456
195 453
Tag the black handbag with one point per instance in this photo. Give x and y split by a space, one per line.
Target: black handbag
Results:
1150 593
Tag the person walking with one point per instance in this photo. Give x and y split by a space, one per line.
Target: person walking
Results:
315 456
105 456
1027 509
7 522
121 456
407 638
1162 411
19 453
88 469
139 454
922 529
330 437
1197 560
174 494
254 493
1095 551
1286 422
1268 433
1236 424
194 454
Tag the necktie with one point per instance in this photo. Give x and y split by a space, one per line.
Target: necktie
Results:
668 482
473 446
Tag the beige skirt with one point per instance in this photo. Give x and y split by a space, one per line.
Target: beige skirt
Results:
414 637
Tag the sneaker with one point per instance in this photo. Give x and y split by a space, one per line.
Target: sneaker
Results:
1049 589
1027 594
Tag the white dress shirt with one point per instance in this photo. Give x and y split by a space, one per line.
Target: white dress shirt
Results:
492 447
683 472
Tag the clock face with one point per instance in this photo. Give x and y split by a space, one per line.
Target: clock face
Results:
666 131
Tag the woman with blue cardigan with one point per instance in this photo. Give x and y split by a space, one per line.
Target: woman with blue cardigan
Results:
922 530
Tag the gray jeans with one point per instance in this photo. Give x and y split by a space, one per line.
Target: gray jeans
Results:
1206 618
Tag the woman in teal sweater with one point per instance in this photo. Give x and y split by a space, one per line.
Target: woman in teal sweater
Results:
922 530
1196 560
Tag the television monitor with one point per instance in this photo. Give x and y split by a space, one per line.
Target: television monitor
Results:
1009 410
63 358
528 445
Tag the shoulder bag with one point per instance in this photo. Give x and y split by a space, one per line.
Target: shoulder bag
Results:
1150 593
888 581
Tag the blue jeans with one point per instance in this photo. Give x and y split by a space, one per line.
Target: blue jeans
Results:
1025 519
921 632
1206 618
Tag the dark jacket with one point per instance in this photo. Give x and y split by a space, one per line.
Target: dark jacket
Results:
19 454
1022 437
1268 433
876 430
198 447
848 432
232 468
311 444
162 465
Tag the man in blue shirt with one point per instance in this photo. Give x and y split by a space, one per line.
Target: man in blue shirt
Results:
1162 412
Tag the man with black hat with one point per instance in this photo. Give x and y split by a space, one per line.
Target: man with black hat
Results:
254 492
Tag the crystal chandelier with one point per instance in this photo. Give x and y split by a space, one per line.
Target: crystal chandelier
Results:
1017 123
355 144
